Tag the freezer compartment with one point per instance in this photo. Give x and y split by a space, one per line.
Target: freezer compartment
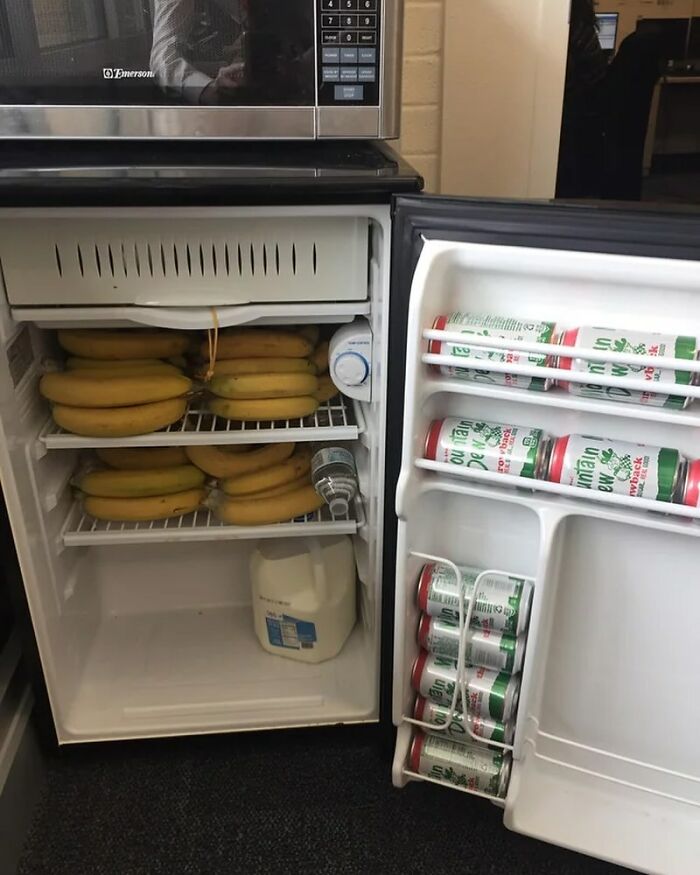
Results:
182 258
162 643
613 708
488 534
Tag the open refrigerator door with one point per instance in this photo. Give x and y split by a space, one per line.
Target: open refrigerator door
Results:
587 742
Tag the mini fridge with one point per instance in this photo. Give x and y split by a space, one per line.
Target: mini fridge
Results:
145 630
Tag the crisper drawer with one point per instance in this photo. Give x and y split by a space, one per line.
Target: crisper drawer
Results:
182 258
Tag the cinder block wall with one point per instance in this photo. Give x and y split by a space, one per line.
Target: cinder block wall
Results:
422 88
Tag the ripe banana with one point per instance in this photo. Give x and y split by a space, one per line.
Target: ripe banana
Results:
262 366
304 480
310 332
270 477
159 507
259 343
142 458
254 511
119 421
77 364
319 357
119 345
272 409
140 484
138 371
222 462
263 385
87 389
326 389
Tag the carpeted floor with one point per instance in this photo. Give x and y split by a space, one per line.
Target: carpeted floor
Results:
297 802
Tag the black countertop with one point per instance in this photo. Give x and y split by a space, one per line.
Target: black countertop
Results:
192 173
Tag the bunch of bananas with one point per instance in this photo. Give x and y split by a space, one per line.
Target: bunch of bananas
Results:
269 374
117 383
142 485
258 485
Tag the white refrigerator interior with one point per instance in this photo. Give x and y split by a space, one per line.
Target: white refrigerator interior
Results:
146 629
604 756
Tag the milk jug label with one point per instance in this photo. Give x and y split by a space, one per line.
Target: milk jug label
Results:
289 632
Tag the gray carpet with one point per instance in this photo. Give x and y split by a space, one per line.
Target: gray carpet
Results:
295 802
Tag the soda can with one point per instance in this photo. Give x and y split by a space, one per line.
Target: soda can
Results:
607 465
691 485
472 766
496 650
489 446
459 726
502 602
633 343
490 694
488 325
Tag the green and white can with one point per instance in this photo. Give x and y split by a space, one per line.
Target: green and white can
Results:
496 650
501 603
606 465
649 344
471 766
489 446
490 694
489 325
458 727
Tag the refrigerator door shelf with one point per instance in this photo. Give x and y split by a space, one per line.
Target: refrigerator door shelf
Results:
335 420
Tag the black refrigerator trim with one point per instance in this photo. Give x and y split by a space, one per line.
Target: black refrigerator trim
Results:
618 229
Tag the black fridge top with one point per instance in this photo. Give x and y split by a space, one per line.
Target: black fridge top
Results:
193 173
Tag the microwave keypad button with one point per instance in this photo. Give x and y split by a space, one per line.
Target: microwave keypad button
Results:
349 92
367 5
330 21
330 38
367 38
348 4
367 74
367 21
331 56
348 38
333 5
331 74
348 20
348 56
366 56
348 74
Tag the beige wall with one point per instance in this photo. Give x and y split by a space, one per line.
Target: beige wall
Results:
421 124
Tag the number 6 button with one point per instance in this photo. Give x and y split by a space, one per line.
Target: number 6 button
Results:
369 5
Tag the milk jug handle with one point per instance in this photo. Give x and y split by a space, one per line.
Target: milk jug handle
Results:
319 568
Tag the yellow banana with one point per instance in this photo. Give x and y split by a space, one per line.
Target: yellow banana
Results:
280 490
261 366
263 385
319 357
77 364
254 511
270 477
222 462
137 371
81 389
159 507
120 345
326 389
140 484
119 421
259 343
142 458
310 332
252 410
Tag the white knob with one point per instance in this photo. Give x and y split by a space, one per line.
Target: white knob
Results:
351 369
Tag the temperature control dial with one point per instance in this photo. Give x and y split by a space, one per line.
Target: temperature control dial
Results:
350 360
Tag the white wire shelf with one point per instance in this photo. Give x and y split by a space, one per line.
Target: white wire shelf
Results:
81 530
335 420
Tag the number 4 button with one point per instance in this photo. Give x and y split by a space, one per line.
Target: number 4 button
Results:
330 4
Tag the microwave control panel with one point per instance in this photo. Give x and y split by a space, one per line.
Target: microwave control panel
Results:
349 47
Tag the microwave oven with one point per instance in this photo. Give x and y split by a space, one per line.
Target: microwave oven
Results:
221 69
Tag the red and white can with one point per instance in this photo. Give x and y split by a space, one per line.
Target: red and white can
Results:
471 766
459 727
691 487
496 650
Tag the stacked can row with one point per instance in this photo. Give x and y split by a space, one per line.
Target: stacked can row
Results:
587 462
603 340
494 647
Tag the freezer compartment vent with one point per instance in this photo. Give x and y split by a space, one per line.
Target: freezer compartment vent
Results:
84 531
183 261
333 421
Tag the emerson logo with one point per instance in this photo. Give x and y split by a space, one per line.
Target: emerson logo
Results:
121 73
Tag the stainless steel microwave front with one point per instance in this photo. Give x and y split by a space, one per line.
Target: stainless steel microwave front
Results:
185 69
